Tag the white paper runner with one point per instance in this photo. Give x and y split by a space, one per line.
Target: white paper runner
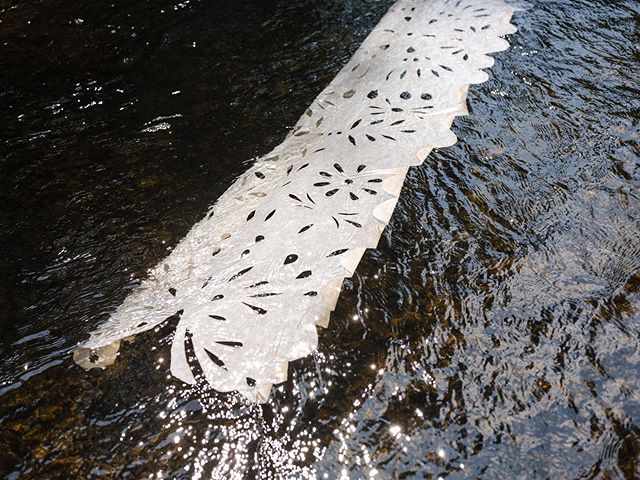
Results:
265 267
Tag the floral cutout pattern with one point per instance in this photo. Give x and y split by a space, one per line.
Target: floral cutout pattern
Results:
382 119
350 182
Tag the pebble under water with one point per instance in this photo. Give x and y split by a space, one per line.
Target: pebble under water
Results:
494 333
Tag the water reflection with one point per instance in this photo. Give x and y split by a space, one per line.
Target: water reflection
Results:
493 334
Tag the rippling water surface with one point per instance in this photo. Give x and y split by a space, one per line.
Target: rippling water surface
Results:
499 331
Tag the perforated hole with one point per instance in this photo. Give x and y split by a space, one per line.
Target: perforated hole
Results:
290 259
258 310
215 359
240 273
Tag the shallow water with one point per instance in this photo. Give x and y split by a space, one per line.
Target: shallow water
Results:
499 331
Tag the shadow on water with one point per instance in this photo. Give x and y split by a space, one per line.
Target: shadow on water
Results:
498 321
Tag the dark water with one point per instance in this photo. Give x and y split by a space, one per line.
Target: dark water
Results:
500 331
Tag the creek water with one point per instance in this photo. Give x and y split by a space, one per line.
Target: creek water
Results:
498 331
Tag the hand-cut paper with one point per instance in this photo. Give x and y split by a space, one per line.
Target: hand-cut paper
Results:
265 267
